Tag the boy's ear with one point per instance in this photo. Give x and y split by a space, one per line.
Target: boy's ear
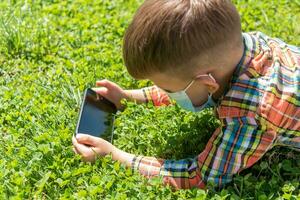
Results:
212 87
210 83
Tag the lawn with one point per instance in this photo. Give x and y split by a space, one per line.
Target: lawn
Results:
51 50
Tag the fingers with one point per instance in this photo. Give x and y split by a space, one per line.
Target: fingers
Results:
108 84
97 146
102 91
74 141
75 145
79 148
87 139
103 83
88 154
75 150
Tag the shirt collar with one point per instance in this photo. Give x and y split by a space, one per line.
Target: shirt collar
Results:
250 46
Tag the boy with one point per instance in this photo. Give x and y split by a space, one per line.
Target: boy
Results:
195 53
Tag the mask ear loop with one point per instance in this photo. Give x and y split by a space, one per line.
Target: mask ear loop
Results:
212 77
209 74
210 94
189 85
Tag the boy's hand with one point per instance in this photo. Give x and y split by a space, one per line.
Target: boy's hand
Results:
111 91
97 146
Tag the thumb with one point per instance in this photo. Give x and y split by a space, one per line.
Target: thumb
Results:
86 139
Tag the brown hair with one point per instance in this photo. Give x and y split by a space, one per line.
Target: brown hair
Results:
167 34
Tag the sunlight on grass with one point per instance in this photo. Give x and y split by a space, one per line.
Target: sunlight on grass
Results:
52 50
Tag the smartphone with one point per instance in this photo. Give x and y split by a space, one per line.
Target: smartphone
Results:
96 116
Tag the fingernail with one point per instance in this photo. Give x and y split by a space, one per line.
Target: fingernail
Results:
78 136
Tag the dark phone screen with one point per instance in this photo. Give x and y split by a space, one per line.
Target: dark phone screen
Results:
96 116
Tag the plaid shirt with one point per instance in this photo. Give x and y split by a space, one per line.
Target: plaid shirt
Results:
260 109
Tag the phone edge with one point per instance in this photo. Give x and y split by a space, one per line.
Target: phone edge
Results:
81 108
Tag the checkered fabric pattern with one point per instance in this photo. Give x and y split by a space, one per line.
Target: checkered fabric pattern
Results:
260 109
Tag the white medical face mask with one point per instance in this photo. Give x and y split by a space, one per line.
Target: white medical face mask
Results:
185 102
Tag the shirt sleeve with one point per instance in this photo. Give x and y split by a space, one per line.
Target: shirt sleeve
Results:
233 147
157 96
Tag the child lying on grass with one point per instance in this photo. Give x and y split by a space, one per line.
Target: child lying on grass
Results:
195 53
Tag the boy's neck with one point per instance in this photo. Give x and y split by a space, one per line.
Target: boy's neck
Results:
224 74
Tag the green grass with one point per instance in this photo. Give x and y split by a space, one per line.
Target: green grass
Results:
51 50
